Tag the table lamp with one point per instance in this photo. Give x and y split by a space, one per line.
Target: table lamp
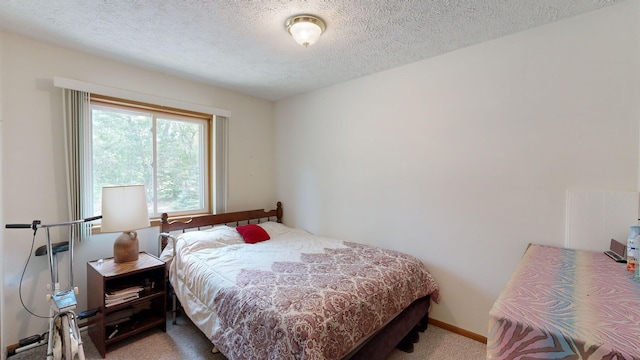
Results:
124 208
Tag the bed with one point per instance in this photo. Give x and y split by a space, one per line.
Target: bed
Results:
295 295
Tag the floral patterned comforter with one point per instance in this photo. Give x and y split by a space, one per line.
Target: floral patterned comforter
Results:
295 296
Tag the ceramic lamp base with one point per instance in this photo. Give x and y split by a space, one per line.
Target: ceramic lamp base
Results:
125 248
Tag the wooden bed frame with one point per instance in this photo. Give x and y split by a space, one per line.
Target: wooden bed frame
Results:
401 332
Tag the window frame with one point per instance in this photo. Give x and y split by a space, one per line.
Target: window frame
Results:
188 115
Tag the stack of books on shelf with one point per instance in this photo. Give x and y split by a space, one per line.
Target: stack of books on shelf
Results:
124 315
122 296
118 317
126 319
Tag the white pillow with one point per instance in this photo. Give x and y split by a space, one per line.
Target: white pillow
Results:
219 235
275 229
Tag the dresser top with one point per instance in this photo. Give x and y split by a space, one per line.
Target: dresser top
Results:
107 267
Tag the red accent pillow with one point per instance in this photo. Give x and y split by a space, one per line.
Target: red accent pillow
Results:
252 233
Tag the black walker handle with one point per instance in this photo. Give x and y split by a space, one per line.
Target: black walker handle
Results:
18 226
34 225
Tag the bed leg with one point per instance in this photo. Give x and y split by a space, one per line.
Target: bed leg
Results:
215 350
423 324
406 344
414 335
173 309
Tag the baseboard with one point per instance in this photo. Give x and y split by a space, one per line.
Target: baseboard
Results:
82 326
459 331
11 348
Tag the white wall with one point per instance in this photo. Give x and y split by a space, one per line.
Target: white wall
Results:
33 182
593 217
1 207
464 159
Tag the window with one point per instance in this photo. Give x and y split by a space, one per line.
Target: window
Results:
159 167
167 150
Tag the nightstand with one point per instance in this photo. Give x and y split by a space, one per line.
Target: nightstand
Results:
137 298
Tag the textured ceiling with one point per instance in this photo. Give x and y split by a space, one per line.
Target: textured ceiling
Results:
242 44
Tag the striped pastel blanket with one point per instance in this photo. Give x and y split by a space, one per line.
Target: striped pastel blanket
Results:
566 304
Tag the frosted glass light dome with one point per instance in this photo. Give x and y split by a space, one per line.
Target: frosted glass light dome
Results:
305 29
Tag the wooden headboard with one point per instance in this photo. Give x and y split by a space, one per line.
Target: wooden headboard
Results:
203 221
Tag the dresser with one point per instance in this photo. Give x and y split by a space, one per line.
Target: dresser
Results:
119 318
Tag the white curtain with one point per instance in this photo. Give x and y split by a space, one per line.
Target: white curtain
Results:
77 131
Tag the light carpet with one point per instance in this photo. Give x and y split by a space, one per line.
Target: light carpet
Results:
185 341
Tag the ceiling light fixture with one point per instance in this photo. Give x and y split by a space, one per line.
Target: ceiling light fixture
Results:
305 29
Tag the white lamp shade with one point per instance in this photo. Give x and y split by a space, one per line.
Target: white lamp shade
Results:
124 208
305 33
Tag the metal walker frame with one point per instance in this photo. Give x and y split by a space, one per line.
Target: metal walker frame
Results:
64 340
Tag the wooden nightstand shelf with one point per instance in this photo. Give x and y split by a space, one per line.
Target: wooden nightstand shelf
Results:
133 316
